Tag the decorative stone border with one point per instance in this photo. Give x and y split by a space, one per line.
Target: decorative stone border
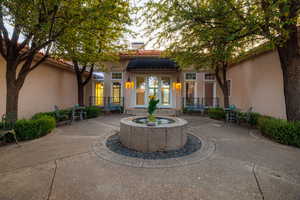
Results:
102 151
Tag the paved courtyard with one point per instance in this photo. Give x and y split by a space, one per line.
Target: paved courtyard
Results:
65 165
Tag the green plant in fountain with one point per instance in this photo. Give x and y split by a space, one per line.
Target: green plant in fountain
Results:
151 108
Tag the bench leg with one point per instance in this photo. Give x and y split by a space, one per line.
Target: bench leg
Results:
15 137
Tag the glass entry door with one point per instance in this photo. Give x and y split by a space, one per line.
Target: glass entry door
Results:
140 97
99 98
159 86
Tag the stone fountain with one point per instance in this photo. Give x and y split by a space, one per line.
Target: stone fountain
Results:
167 134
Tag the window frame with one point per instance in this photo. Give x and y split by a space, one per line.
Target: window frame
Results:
112 89
170 91
135 88
204 78
116 79
186 73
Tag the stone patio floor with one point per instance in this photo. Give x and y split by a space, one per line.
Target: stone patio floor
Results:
63 165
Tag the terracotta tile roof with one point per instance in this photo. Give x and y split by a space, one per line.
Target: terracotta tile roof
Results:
141 53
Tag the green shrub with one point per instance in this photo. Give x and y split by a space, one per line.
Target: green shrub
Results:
216 113
42 114
282 131
47 124
27 129
251 120
93 111
62 115
34 128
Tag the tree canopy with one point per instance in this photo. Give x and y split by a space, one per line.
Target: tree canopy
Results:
201 34
28 27
95 40
205 35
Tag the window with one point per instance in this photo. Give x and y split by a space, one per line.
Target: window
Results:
190 88
165 91
209 77
116 75
153 86
116 92
229 87
190 76
140 90
99 94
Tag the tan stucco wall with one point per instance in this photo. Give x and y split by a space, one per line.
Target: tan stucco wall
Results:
258 83
44 87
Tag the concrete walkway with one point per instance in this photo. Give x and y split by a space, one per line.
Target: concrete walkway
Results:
63 166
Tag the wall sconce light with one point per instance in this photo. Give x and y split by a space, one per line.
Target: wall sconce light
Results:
129 84
177 85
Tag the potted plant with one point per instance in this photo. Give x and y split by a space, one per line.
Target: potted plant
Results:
151 119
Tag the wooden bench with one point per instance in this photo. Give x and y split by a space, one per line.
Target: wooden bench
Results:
113 107
195 108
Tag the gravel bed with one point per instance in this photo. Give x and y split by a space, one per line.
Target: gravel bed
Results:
193 144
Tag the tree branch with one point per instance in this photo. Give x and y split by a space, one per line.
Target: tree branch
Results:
90 75
83 69
217 74
2 52
15 35
3 28
39 62
53 20
25 42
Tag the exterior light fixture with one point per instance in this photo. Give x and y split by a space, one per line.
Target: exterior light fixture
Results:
177 85
129 84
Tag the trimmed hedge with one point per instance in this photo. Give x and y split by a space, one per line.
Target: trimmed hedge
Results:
34 128
251 120
282 131
216 113
43 123
93 111
64 115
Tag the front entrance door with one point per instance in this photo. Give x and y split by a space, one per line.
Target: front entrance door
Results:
209 93
153 85
99 99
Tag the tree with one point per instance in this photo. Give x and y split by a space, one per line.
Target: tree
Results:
95 40
277 21
204 35
35 26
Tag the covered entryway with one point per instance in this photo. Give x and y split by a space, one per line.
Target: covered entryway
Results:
152 76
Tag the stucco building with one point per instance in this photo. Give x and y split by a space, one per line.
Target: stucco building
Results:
254 82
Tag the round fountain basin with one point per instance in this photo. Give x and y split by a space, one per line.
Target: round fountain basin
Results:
168 134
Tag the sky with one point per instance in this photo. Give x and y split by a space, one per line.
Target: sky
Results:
138 28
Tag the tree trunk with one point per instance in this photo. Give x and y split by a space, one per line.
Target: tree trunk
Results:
226 97
80 82
289 55
222 81
80 94
12 92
